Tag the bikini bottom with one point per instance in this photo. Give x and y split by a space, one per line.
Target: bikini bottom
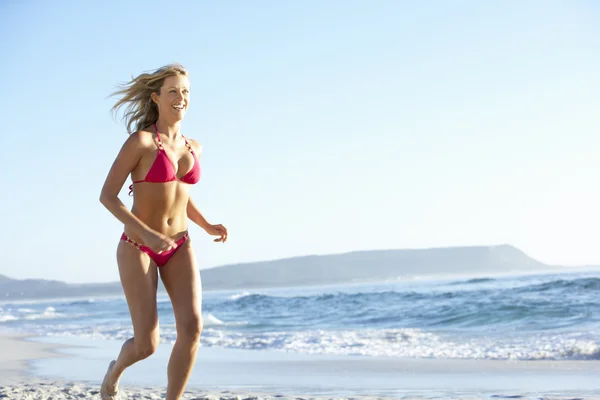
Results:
159 258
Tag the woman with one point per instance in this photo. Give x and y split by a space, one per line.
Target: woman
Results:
163 165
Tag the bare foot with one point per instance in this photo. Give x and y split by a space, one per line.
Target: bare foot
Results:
108 390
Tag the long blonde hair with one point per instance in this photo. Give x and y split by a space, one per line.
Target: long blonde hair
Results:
141 111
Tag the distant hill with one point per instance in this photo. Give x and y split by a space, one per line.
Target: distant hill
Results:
42 288
370 265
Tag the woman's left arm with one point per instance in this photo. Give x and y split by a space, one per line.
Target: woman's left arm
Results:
196 216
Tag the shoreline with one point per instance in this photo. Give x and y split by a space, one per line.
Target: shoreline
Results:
43 367
21 354
19 351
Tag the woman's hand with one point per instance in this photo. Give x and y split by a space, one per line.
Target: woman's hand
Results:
217 230
158 242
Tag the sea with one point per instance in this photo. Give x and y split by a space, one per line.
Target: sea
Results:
544 316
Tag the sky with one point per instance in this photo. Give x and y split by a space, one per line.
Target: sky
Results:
326 126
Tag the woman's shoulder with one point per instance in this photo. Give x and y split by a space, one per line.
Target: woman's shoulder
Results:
142 138
195 145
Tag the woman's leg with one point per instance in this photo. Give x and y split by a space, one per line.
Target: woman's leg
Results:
182 281
139 278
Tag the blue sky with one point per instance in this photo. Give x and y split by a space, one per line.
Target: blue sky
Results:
327 126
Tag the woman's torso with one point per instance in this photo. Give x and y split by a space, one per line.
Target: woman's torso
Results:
163 205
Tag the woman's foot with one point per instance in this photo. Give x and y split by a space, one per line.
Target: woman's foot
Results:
109 389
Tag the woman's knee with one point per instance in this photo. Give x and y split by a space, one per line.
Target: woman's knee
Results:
191 329
146 345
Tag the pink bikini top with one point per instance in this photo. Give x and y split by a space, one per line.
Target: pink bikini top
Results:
163 170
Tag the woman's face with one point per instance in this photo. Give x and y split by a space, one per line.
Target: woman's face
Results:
174 97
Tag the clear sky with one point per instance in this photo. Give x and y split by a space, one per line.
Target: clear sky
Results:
327 126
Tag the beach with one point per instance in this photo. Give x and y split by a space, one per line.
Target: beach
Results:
521 337
349 200
48 368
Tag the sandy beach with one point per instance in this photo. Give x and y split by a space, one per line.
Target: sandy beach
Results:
42 368
18 352
16 381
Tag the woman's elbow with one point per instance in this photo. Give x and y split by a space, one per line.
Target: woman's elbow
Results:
106 198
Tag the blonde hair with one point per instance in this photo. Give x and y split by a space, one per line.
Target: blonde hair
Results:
141 110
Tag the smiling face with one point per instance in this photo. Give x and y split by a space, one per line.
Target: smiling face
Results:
173 99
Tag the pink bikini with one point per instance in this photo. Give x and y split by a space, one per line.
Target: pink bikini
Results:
159 258
163 170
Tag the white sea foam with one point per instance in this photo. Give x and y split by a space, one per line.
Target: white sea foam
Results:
7 317
48 313
239 295
212 320
412 343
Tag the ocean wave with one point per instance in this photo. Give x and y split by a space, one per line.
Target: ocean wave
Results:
532 305
396 343
10 315
239 295
80 303
528 306
474 281
530 318
212 320
579 285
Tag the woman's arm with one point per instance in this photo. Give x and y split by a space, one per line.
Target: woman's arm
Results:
128 157
196 216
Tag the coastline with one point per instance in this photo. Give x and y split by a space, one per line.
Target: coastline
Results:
18 352
27 371
71 367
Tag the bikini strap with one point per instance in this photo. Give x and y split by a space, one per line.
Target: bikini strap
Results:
160 145
188 145
159 142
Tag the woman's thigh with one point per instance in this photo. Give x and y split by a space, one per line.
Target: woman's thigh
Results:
181 278
139 278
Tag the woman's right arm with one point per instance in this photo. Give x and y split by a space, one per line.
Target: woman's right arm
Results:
127 159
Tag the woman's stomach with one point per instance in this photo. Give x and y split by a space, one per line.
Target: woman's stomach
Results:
162 206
